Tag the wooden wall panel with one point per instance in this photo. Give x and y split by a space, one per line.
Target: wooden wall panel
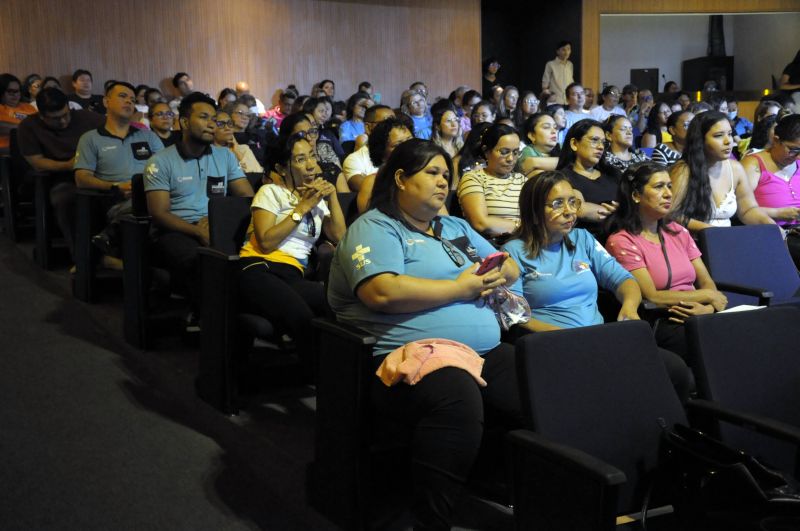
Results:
592 9
270 43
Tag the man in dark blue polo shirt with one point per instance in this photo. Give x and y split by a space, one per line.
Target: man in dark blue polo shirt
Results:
109 156
179 182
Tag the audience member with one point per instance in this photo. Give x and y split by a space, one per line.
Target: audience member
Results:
483 112
470 158
82 85
490 68
528 106
414 104
589 105
670 87
223 137
366 87
630 102
790 78
620 153
226 97
646 103
48 141
609 100
30 88
669 152
387 135
560 117
661 255
709 187
161 118
108 157
742 127
657 131
328 87
299 124
183 85
580 156
508 104
243 87
446 131
576 100
289 215
684 99
469 100
12 109
489 196
402 293
357 105
558 73
358 165
541 150
284 107
179 181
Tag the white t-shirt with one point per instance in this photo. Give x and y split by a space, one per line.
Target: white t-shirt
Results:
281 202
358 163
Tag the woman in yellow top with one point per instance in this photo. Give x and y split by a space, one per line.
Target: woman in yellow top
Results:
12 109
289 216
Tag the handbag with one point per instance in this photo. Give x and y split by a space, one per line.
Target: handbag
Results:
707 478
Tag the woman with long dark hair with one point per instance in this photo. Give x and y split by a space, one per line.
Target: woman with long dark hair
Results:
657 130
405 274
668 153
709 187
659 253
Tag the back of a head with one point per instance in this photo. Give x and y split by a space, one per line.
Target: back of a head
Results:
51 100
379 139
788 128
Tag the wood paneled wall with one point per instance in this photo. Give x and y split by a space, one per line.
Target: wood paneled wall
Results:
592 9
269 43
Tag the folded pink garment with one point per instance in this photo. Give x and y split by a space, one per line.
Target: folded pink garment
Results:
413 361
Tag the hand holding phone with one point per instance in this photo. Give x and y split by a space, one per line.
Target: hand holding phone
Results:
490 262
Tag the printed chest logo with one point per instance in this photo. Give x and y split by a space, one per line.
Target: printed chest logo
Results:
413 241
360 257
536 275
107 148
184 179
580 267
141 150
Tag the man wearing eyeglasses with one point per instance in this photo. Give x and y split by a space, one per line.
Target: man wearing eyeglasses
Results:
108 157
48 141
179 181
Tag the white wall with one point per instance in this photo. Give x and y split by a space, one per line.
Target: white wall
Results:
654 41
775 38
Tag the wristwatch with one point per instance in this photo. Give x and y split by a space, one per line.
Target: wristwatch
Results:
296 216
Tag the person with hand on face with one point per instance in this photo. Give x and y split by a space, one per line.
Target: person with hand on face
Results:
289 215
620 152
582 152
401 293
108 157
558 73
12 109
661 254
709 187
300 124
223 137
489 196
541 151
357 106
179 181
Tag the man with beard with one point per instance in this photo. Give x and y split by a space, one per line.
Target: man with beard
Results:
179 181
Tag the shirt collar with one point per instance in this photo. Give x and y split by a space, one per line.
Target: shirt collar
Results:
186 156
102 131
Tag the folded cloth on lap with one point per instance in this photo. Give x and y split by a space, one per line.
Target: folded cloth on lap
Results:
413 361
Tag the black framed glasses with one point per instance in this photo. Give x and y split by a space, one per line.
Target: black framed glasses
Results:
223 123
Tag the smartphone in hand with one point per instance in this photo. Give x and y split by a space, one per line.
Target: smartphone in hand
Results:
490 262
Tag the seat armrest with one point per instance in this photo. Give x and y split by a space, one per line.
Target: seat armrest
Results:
345 331
764 296
557 487
217 255
758 423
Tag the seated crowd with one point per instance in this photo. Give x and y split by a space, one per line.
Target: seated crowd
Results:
576 196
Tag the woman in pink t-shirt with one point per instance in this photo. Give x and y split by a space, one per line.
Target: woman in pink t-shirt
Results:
659 253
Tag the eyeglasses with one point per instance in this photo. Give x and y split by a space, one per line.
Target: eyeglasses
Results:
595 141
453 253
308 132
223 123
302 159
794 151
162 114
243 114
559 205
505 152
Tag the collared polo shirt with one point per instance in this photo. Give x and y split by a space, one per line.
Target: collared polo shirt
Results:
116 159
191 181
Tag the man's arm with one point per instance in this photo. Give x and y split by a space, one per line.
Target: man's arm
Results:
41 163
158 205
87 179
241 187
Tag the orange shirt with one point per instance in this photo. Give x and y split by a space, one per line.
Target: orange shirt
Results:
13 115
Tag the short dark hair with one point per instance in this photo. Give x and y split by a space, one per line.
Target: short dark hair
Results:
113 83
289 93
369 115
571 86
5 80
353 100
48 79
185 108
286 140
630 88
176 79
321 83
364 85
150 91
788 128
379 139
80 72
152 109
410 157
561 44
51 100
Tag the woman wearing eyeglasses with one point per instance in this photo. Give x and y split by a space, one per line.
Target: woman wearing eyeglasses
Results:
528 106
620 152
561 266
161 119
489 195
404 274
583 149
223 137
774 175
289 216
541 152
12 109
300 124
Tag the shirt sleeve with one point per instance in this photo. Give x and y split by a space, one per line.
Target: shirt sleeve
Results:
156 175
470 184
608 272
155 143
86 154
623 248
687 242
546 77
266 199
371 247
347 132
514 249
352 165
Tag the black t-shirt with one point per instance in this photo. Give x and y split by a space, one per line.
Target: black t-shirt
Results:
172 139
487 85
35 138
92 103
600 190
